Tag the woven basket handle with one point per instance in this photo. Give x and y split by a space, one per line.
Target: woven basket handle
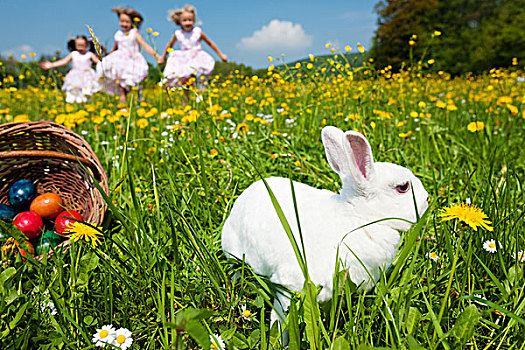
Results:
48 154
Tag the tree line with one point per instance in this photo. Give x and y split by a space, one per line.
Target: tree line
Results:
460 35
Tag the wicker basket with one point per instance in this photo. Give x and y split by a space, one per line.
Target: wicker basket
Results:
50 154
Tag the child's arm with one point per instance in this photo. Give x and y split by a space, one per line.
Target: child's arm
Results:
214 47
145 45
47 65
94 58
172 42
115 47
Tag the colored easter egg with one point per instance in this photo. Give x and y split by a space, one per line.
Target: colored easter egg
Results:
52 237
21 193
44 246
47 205
30 251
63 220
6 213
29 223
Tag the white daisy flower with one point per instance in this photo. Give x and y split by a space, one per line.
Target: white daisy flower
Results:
491 246
104 335
520 256
433 256
216 342
123 339
245 313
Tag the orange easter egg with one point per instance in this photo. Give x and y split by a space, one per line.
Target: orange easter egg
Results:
47 205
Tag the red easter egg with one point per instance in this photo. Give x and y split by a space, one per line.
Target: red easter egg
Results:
63 220
47 205
29 223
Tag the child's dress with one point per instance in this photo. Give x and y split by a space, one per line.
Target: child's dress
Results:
81 80
189 60
125 66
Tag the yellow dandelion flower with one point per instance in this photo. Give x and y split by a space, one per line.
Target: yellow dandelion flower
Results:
405 134
149 30
214 153
437 33
328 45
360 47
79 230
411 42
348 48
242 128
270 59
155 34
467 213
431 61
142 123
475 126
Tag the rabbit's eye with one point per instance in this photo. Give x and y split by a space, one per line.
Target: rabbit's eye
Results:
403 188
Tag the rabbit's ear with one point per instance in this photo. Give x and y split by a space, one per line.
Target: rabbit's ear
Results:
360 157
333 145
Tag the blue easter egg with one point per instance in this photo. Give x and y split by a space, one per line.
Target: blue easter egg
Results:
21 193
6 213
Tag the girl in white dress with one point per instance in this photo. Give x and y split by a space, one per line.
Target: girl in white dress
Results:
81 81
190 60
125 67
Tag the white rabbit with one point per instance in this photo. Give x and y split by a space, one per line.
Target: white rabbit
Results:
370 191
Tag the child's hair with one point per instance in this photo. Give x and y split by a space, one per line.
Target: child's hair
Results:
71 46
136 18
175 14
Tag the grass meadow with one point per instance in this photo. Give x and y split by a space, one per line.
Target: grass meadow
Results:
175 169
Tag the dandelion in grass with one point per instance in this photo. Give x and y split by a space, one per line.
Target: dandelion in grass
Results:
433 256
467 213
245 313
122 339
78 230
104 335
216 342
242 128
491 246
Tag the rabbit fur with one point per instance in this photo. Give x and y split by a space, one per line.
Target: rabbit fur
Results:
370 191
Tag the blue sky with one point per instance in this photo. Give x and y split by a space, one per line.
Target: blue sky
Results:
247 31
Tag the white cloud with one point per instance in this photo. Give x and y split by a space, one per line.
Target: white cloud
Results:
277 35
17 51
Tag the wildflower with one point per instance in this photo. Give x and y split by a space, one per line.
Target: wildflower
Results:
309 66
475 126
348 48
78 230
452 108
142 123
469 214
245 313
123 339
520 256
155 34
328 45
216 342
433 256
104 335
411 42
431 61
23 57
514 61
270 59
405 134
242 128
213 153
441 104
149 30
360 47
437 33
490 246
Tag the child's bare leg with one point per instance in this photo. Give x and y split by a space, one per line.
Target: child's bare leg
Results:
122 94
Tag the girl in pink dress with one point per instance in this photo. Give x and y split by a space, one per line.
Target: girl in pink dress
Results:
125 67
81 81
190 60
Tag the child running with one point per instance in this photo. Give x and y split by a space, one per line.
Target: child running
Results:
125 67
190 60
81 81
